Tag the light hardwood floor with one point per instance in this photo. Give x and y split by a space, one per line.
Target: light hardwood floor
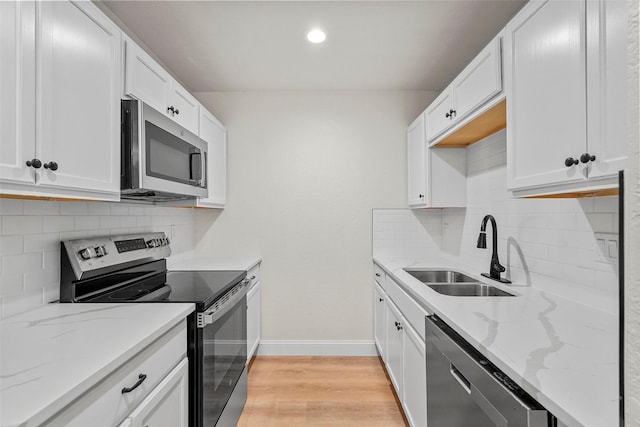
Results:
320 391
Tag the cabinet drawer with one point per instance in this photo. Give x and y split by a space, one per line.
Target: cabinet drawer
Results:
106 404
254 276
379 274
410 309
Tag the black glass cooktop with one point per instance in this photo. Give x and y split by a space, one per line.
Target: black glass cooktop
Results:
202 288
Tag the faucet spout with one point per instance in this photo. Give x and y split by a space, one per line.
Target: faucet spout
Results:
495 268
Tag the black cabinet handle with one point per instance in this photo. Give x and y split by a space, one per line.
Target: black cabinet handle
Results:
380 299
51 166
399 327
177 111
141 379
451 114
35 163
171 110
586 158
421 196
570 161
377 274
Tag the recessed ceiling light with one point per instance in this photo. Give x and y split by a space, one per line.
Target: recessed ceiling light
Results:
316 36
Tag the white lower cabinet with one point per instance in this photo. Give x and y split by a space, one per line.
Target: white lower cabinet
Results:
253 312
151 386
167 405
414 399
395 359
380 316
399 337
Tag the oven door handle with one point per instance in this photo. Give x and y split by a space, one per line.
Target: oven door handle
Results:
213 315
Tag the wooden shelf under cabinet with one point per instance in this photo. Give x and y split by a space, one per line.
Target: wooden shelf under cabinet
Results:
488 123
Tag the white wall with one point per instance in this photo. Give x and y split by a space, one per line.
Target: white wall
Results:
305 171
31 231
632 231
545 243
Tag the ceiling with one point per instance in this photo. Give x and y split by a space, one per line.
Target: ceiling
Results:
262 46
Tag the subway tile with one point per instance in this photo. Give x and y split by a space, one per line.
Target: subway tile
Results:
87 222
14 224
107 222
128 221
58 223
74 208
117 209
11 245
41 207
41 242
11 207
98 208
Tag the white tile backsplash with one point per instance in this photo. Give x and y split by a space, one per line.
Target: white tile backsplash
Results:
31 231
546 243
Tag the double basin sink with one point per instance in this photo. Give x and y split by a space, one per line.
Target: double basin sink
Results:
454 283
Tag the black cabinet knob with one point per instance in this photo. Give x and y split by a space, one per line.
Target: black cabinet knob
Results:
451 114
171 110
380 299
586 158
421 196
51 166
177 111
35 163
570 161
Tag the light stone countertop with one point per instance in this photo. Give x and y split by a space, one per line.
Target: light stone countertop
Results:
189 261
51 356
562 353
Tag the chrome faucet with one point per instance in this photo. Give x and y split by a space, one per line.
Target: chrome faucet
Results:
495 268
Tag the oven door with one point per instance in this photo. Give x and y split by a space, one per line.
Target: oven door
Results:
221 363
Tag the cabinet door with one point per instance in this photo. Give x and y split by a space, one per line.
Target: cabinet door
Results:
380 322
480 81
17 96
78 117
607 86
394 347
545 62
416 162
186 107
253 320
415 378
214 133
145 79
167 405
438 114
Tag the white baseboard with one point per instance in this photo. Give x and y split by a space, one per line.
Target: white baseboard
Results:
316 348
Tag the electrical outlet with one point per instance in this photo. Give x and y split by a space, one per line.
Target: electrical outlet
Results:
608 248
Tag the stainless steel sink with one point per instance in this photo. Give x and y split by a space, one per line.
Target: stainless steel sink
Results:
439 276
469 290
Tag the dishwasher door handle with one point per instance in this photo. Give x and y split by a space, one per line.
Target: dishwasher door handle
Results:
466 385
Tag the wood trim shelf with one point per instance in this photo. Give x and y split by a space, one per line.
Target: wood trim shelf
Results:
488 123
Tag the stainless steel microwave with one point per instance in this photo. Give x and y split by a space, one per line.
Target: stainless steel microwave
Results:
160 160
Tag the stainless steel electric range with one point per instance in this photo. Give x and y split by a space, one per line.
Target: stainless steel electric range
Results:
132 268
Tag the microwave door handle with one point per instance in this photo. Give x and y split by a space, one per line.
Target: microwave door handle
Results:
196 167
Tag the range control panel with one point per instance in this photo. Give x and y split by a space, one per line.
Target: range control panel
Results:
100 252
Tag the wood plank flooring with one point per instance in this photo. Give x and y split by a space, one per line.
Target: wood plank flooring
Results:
312 391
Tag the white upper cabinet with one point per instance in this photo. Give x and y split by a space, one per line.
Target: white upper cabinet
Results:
146 80
78 119
565 83
479 83
67 142
215 135
17 91
436 176
416 162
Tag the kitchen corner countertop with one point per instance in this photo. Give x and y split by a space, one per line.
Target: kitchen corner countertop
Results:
562 353
51 356
189 261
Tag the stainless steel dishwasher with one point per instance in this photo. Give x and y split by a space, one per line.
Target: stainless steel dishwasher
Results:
464 389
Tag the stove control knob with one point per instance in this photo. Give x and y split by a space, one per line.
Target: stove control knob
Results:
87 253
151 243
167 239
101 251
